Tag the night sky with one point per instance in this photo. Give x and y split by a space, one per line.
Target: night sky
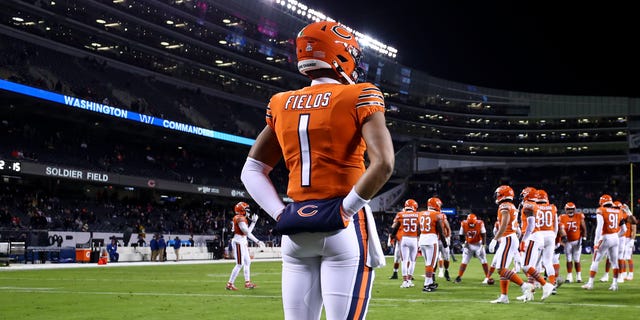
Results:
543 48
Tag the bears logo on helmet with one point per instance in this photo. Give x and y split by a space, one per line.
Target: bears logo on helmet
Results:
242 208
434 203
503 193
329 45
411 205
606 199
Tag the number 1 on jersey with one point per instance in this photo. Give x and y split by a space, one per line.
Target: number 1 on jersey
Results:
305 150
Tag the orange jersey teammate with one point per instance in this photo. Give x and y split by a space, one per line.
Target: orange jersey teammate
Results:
606 240
406 222
321 132
444 257
395 241
508 244
576 230
629 242
241 231
474 235
431 234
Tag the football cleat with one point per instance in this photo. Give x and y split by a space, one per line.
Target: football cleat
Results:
502 299
249 285
588 286
605 278
405 284
547 290
458 280
394 276
613 287
411 284
446 275
569 278
629 276
441 273
231 287
428 289
620 278
527 291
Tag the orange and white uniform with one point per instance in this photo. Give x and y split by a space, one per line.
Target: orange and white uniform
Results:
509 243
318 129
573 226
397 252
428 241
606 239
542 243
474 246
409 227
445 254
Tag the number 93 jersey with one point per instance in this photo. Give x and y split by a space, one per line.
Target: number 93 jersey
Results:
318 128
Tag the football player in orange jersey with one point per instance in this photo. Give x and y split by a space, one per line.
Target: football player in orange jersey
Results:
576 230
444 257
431 234
508 244
629 243
407 221
606 240
239 244
542 225
330 244
397 254
474 235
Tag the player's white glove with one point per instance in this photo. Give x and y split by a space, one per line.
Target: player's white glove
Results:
492 245
254 217
261 244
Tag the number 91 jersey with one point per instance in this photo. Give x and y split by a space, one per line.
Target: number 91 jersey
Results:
318 128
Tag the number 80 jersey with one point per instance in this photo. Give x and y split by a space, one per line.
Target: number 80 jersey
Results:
318 129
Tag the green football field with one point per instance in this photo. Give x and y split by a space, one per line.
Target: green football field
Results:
196 291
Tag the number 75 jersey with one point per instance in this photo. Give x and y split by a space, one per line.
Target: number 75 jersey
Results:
319 131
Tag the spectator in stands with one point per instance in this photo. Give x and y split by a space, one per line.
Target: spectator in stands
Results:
112 249
177 243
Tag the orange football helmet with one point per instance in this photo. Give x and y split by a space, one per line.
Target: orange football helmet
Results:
411 205
606 199
329 45
242 208
502 193
472 220
570 208
617 204
541 196
527 193
434 203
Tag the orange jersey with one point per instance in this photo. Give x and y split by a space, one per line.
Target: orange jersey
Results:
396 220
512 223
318 129
546 217
572 225
625 215
611 217
428 221
472 235
408 221
445 224
236 224
528 205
